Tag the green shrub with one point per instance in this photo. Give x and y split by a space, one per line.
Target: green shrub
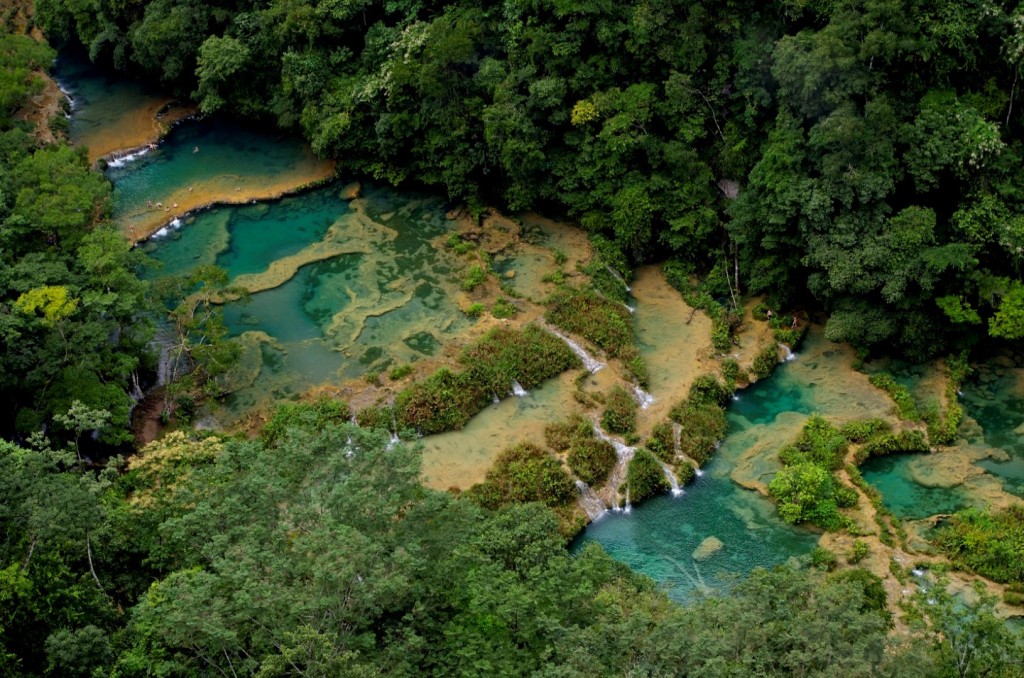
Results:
721 334
765 361
316 415
446 400
1013 598
619 414
760 311
529 355
988 543
561 435
905 406
733 373
524 473
904 442
685 473
456 243
376 417
635 365
559 255
806 492
823 559
592 460
503 308
819 443
859 552
702 426
400 372
583 311
707 389
475 310
662 442
862 430
645 477
474 277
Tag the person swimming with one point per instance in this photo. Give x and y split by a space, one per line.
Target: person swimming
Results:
195 149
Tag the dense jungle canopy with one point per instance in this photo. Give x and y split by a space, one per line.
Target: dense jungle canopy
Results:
859 156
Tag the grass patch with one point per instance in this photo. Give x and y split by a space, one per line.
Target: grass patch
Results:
474 277
620 410
316 415
560 436
942 428
400 372
503 308
446 400
592 460
702 426
583 311
900 394
988 543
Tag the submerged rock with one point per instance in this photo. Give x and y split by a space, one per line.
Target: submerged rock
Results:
707 548
351 191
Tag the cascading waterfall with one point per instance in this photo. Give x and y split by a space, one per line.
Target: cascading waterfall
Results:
592 364
590 502
518 390
673 482
615 274
789 353
624 453
643 397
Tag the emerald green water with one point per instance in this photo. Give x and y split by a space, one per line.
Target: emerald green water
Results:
904 496
246 239
994 396
658 537
390 300
993 402
230 156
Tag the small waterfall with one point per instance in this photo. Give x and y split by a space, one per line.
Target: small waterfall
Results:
592 364
615 274
495 399
697 472
625 453
518 390
175 223
590 502
673 482
789 353
629 308
136 390
628 508
677 432
131 156
394 440
643 397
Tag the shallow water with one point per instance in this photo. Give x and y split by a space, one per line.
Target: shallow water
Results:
110 113
894 477
233 164
376 290
658 537
994 397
